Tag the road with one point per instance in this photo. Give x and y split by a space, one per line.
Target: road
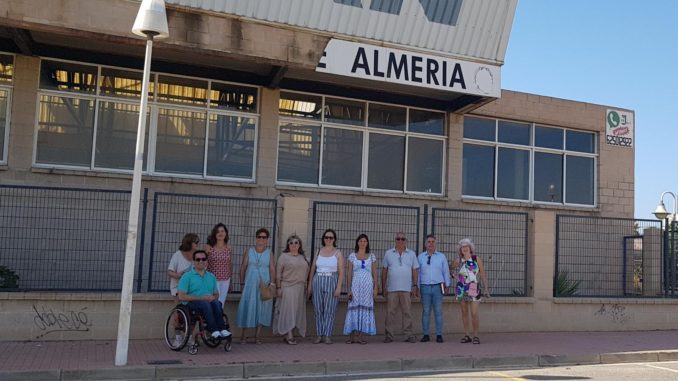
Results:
654 371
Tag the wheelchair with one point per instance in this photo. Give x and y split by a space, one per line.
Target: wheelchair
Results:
180 326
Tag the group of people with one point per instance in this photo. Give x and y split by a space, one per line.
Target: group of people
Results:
201 278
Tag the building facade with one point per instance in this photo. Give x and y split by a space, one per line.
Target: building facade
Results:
343 113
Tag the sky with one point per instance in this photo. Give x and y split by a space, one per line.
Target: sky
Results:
620 53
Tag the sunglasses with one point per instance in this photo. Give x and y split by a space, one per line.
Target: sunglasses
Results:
200 259
262 237
401 239
328 237
363 263
293 243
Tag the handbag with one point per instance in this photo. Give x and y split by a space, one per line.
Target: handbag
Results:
265 291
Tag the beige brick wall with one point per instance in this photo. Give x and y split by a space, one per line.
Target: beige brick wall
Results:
90 316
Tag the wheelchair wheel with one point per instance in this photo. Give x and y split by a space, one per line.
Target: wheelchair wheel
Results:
193 349
177 328
210 341
227 345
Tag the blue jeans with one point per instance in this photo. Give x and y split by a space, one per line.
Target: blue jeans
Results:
212 313
431 295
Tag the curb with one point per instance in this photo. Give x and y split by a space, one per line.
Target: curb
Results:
333 368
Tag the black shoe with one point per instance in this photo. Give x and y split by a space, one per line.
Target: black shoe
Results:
439 339
425 339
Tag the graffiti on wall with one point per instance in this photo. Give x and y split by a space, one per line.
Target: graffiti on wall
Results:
615 312
49 321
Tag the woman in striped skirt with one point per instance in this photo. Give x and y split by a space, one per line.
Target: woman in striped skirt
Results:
326 276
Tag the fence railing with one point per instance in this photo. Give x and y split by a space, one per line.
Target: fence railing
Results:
608 257
500 239
379 222
177 214
63 238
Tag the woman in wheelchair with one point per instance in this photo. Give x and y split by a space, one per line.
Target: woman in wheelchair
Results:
198 291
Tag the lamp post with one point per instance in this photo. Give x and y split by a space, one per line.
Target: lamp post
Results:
151 22
669 249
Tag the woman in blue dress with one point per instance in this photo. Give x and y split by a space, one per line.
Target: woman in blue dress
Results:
362 273
258 264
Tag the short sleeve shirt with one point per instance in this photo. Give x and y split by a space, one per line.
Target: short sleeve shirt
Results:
194 284
399 269
178 264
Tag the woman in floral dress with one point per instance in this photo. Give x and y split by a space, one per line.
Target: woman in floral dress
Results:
362 275
470 270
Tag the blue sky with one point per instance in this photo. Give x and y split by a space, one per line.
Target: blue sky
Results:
620 53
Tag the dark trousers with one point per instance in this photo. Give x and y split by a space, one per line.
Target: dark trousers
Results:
212 313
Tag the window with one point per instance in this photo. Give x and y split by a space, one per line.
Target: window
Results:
348 143
524 162
6 77
194 127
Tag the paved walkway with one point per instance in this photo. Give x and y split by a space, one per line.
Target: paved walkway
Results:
151 359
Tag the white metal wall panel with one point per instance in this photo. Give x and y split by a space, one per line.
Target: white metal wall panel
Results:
481 31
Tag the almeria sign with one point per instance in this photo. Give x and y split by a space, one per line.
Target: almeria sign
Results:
378 63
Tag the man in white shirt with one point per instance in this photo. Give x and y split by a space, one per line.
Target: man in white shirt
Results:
399 281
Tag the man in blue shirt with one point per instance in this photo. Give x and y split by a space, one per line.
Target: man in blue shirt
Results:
434 281
198 290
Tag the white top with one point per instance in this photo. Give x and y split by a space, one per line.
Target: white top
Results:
327 264
178 264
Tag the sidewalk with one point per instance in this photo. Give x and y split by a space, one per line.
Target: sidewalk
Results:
151 359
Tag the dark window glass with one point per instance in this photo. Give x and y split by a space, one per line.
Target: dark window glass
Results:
180 141
300 105
480 129
6 68
386 167
122 83
478 171
344 111
388 117
579 180
387 6
425 165
514 133
65 127
66 76
230 146
342 157
299 153
233 97
548 177
513 173
427 122
116 139
4 96
580 141
181 90
548 137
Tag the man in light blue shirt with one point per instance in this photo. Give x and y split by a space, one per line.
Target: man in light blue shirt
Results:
399 280
434 281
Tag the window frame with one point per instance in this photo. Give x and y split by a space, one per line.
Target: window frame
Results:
532 148
153 109
367 131
8 113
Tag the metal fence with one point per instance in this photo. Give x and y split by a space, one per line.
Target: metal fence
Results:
63 238
608 257
177 214
500 239
379 222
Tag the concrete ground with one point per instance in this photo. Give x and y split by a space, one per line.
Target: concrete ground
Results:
152 360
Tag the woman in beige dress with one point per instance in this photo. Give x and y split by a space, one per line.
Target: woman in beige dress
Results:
291 275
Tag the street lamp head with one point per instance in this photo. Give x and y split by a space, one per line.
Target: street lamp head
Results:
661 212
151 20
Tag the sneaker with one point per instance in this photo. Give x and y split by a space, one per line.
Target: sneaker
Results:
388 340
178 341
216 334
425 339
439 339
225 333
191 341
